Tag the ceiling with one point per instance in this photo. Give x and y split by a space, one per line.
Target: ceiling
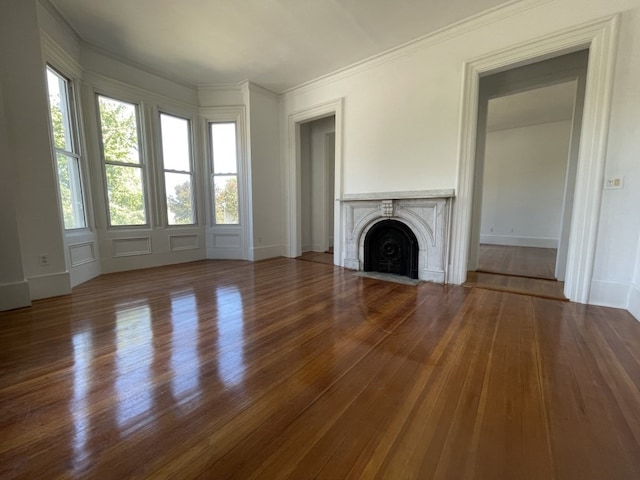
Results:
532 107
277 44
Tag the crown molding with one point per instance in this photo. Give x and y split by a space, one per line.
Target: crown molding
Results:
84 45
482 19
54 53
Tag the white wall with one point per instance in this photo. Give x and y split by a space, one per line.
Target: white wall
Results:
29 151
14 289
402 115
524 177
267 214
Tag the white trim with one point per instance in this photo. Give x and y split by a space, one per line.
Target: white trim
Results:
124 240
73 246
633 304
193 236
519 241
294 233
600 37
444 193
51 285
484 18
237 114
111 86
609 294
14 295
268 251
55 54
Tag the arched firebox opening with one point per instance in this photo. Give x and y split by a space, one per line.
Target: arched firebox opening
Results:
391 247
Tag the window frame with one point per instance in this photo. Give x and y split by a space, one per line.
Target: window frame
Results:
163 171
213 174
77 152
143 164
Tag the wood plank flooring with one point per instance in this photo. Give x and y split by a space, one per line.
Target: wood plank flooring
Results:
318 257
520 261
295 369
514 284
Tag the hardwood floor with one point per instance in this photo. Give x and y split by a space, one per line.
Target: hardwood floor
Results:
520 261
514 284
297 369
318 257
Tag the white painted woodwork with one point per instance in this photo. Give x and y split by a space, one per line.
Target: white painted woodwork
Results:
601 38
228 241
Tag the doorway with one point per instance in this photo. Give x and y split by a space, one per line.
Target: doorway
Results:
528 133
317 195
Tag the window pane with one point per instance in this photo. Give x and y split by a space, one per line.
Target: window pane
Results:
175 143
226 199
126 199
70 192
179 198
59 109
119 127
223 146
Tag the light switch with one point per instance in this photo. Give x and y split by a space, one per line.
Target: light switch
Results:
613 183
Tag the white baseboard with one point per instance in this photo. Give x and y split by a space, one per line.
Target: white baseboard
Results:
85 272
633 305
51 285
226 253
609 294
269 251
515 241
14 295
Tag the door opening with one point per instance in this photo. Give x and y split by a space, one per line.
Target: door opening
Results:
317 177
528 132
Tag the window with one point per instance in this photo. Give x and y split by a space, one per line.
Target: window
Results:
123 164
175 134
225 173
66 147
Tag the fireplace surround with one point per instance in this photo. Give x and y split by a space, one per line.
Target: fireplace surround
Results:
424 214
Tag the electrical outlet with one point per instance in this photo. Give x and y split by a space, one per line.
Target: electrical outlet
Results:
43 259
613 183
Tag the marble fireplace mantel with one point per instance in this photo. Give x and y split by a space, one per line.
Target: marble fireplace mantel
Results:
427 213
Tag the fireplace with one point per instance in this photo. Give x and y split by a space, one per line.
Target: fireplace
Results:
405 233
391 247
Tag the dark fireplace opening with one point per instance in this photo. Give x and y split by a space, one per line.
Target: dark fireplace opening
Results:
391 247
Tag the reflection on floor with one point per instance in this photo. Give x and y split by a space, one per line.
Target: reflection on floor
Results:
521 261
524 270
286 369
317 257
